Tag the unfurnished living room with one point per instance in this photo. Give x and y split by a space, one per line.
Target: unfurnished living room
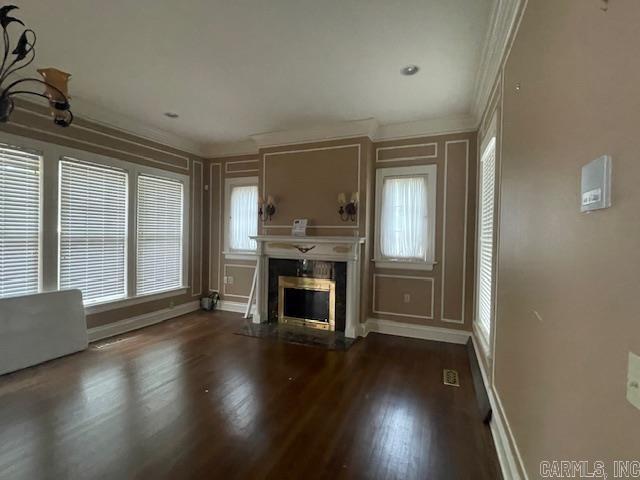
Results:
320 239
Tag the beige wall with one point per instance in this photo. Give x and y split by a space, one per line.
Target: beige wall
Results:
305 180
442 297
33 121
561 377
220 267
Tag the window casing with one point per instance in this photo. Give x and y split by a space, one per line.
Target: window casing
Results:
20 214
48 255
405 217
241 216
486 234
159 234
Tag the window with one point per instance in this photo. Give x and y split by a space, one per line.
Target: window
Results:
242 215
93 230
19 222
159 234
486 202
406 216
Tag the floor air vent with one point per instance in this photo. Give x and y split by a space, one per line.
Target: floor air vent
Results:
450 377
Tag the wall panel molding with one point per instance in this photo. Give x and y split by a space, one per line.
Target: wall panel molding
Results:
405 277
212 253
443 316
404 157
197 241
265 156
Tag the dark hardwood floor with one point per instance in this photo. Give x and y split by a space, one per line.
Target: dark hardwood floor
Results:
189 399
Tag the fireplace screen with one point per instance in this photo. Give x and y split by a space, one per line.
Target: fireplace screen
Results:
309 302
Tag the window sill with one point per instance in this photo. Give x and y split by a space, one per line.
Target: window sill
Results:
126 302
403 265
240 255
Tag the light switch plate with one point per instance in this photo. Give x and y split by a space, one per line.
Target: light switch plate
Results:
633 380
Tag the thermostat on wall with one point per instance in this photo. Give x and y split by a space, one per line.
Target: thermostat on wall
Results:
596 184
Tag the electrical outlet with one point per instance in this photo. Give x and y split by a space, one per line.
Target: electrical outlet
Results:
407 298
230 280
633 380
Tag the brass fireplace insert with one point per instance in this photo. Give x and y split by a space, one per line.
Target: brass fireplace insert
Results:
312 284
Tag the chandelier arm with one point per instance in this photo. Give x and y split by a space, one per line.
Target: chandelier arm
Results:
26 92
10 71
32 51
7 91
7 47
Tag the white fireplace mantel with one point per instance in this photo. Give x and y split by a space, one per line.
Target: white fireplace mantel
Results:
330 249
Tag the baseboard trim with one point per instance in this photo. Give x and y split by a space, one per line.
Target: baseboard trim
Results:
509 457
228 306
411 330
140 321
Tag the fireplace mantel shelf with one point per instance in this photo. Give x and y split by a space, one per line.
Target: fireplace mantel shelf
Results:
307 239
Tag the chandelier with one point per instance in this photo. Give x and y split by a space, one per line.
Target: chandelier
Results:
22 55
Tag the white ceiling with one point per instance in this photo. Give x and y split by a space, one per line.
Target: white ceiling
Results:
239 67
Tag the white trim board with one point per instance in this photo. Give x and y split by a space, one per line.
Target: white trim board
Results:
193 226
510 459
140 321
228 306
224 286
424 332
444 232
254 160
407 277
411 145
220 215
313 149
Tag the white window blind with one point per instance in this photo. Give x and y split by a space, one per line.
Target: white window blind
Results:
93 230
243 217
485 237
19 222
159 234
403 218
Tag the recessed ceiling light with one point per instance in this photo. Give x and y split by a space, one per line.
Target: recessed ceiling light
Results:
171 114
409 70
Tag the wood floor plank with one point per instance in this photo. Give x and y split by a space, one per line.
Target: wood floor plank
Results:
190 399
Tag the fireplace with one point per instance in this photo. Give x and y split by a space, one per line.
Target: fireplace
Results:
309 293
307 302
309 281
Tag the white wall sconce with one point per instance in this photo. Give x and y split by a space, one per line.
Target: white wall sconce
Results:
348 210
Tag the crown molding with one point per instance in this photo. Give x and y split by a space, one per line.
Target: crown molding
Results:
424 128
230 149
357 128
503 24
103 117
335 131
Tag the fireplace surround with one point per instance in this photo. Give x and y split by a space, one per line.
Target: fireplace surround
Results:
287 259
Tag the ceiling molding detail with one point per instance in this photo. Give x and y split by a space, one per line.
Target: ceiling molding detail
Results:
423 128
103 117
336 131
356 128
502 28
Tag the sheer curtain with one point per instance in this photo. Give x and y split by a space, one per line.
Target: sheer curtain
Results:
243 221
403 232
